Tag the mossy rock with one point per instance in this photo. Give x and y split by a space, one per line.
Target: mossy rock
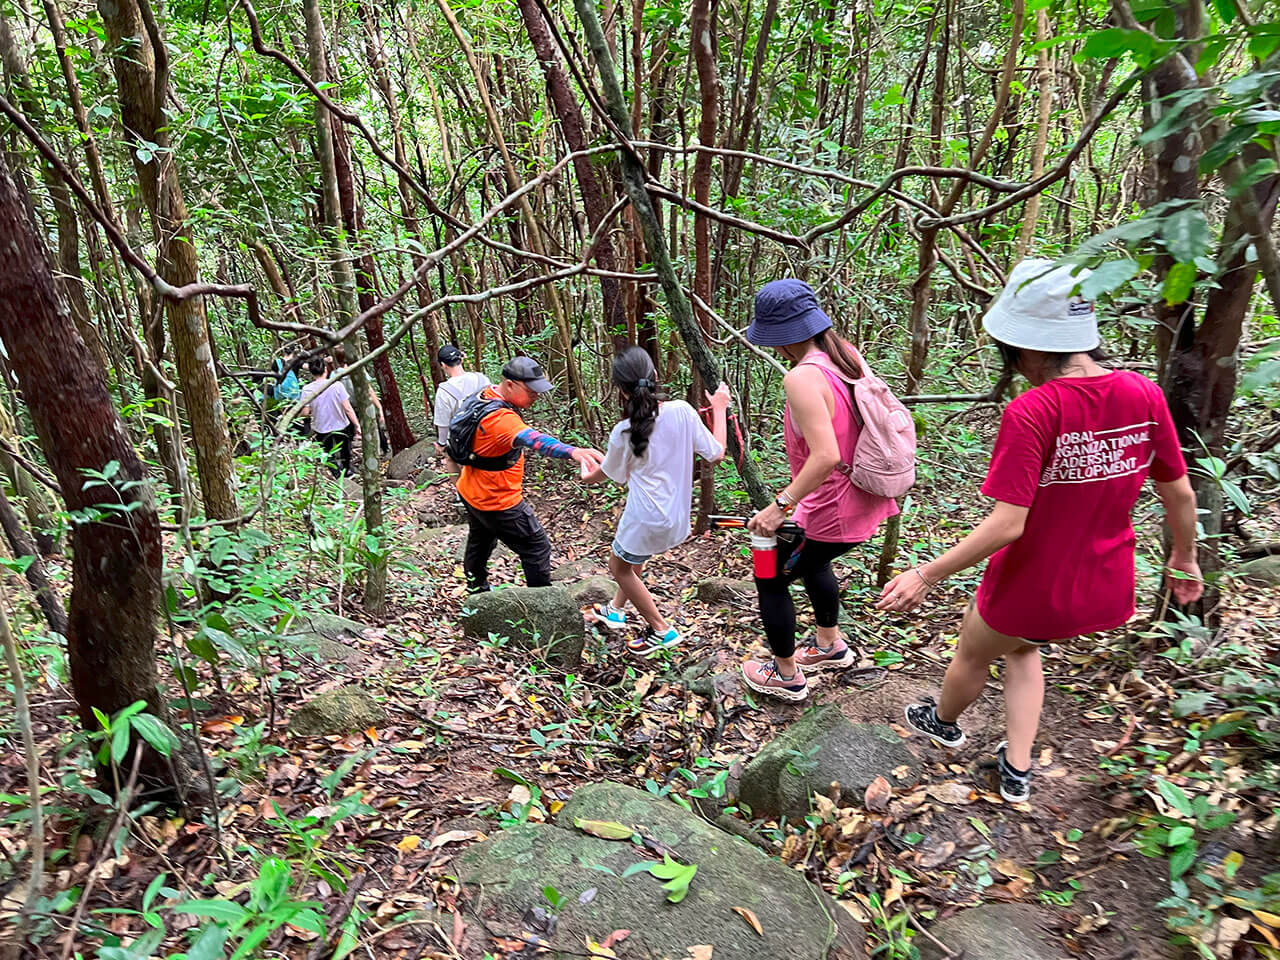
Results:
325 637
412 459
819 749
724 590
594 589
1263 572
996 931
505 877
546 619
344 710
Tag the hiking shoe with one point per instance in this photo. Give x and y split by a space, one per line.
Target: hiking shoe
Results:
763 677
923 718
610 616
1015 785
652 641
814 657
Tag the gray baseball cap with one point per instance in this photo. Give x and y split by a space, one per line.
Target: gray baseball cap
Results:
526 370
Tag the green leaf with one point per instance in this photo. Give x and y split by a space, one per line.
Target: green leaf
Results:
208 945
1180 835
1264 376
1174 796
1254 174
668 869
224 911
1186 234
1181 859
641 867
1114 41
1225 9
119 743
155 733
1107 277
1265 39
1179 282
1190 703
604 829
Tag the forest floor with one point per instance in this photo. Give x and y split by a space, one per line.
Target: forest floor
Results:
477 736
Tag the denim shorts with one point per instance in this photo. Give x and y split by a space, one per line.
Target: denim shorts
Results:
633 558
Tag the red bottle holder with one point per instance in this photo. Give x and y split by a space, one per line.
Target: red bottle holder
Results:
764 557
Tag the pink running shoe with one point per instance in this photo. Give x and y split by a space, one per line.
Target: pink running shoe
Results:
813 657
763 677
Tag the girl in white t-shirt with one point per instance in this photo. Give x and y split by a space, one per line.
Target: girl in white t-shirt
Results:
652 453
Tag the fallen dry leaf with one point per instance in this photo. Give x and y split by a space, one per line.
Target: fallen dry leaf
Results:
454 836
936 854
604 829
615 938
409 843
596 950
751 919
855 910
700 952
952 792
878 795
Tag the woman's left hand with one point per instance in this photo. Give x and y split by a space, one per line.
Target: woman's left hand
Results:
767 521
904 592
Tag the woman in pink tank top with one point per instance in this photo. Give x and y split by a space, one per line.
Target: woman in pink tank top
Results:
821 431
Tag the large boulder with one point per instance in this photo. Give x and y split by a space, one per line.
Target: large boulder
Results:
344 710
819 749
996 931
507 874
537 618
410 460
1264 572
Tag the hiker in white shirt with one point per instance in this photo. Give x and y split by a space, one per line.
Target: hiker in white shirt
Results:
451 394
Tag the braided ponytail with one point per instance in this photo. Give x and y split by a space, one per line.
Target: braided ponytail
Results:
634 375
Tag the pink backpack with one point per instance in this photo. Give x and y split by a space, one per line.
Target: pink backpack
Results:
884 461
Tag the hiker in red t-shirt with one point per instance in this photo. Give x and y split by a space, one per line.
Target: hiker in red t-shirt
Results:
1068 465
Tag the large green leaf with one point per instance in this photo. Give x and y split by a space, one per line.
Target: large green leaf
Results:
1174 796
1186 234
1107 277
1179 282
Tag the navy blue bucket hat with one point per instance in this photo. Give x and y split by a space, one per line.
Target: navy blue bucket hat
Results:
786 312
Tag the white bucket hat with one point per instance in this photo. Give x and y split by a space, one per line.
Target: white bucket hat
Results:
1038 311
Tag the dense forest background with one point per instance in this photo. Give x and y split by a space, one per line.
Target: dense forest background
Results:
188 188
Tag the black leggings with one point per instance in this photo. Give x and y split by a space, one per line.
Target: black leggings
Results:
340 442
810 561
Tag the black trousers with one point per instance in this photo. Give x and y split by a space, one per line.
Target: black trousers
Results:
338 446
520 530
810 561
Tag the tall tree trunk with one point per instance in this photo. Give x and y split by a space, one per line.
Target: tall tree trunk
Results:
594 198
143 84
704 362
532 227
22 546
704 58
398 432
375 588
1044 65
115 588
70 282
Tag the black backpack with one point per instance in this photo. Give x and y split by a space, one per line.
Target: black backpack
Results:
462 435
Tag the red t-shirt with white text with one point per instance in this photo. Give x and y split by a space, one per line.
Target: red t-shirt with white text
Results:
1076 452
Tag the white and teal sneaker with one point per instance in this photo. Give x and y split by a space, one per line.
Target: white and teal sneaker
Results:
610 616
651 641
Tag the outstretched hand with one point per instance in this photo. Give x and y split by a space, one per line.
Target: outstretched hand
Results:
904 592
589 460
721 399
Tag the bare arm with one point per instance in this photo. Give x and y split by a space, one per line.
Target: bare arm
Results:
1002 526
351 414
719 402
807 393
1179 501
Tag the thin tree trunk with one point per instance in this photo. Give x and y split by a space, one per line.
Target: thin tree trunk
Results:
398 432
116 567
704 57
22 546
704 362
1044 65
594 199
142 84
375 588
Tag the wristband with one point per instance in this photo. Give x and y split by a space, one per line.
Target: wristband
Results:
784 502
930 585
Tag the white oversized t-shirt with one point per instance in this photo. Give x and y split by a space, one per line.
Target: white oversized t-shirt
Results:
449 398
327 415
659 484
